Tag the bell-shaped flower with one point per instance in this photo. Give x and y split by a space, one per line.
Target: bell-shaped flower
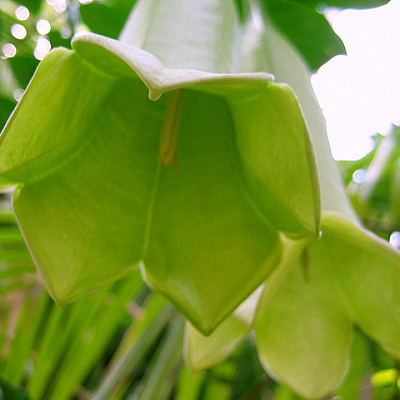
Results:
193 183
304 318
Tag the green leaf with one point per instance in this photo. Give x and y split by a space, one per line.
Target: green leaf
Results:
31 315
159 380
377 188
107 17
306 29
76 338
99 196
361 4
146 332
10 392
6 107
23 68
189 384
57 40
34 6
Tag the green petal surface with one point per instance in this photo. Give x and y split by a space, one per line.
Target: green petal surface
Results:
203 352
278 162
108 205
278 159
85 223
303 334
367 269
52 118
95 201
208 247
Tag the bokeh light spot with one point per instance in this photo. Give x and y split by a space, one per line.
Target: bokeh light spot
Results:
18 31
43 26
360 176
9 50
22 13
43 46
395 239
65 32
18 93
59 5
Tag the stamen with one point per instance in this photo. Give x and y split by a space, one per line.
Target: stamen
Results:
169 133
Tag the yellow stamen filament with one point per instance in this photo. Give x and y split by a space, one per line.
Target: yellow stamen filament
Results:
170 129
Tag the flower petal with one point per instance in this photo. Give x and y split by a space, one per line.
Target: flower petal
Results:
122 60
195 226
367 270
85 222
208 246
203 352
303 333
278 159
53 117
109 205
278 162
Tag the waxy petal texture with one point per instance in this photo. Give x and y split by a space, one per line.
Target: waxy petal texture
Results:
367 270
94 200
59 108
303 321
303 332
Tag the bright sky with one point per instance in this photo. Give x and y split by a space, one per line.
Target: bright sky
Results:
360 92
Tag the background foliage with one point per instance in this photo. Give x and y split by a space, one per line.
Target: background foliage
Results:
126 342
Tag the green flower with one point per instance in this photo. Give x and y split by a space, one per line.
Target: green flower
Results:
304 319
193 186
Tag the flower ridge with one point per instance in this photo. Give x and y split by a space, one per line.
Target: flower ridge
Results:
96 197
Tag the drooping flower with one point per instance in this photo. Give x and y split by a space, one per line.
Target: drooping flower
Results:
304 318
194 186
